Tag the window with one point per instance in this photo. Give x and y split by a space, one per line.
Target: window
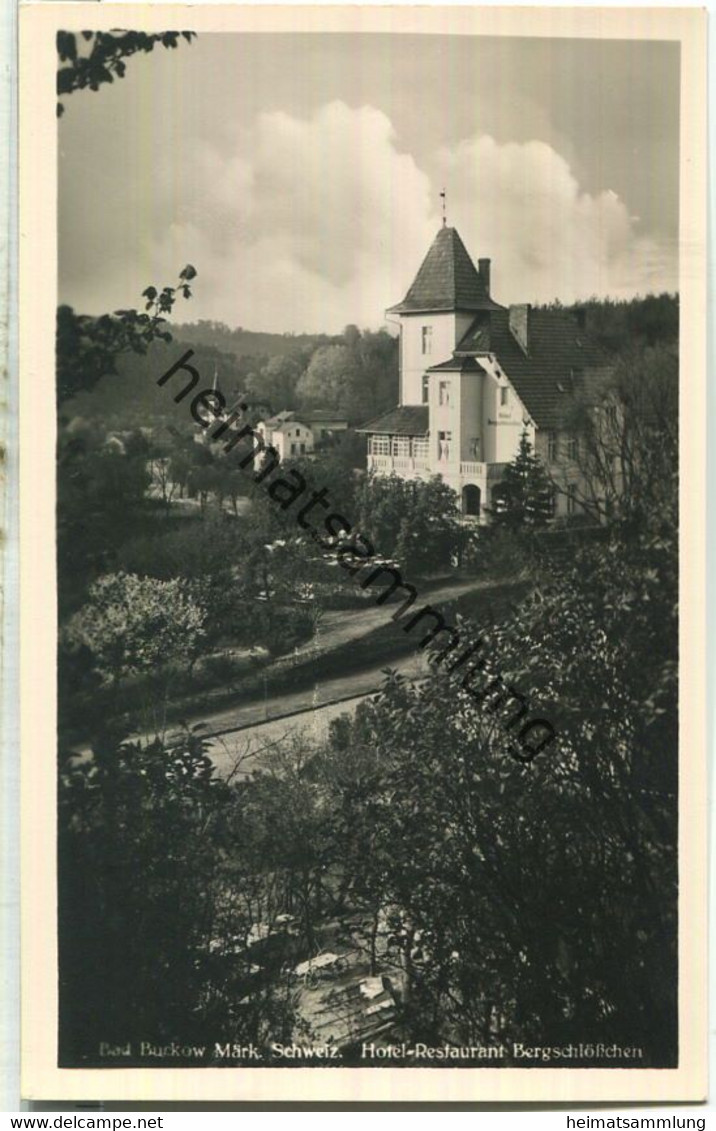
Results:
426 387
427 339
551 447
293 449
475 447
571 501
420 448
611 414
572 448
303 449
444 441
444 393
380 446
401 445
504 395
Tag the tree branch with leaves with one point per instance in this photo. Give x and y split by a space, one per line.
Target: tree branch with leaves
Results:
97 57
88 346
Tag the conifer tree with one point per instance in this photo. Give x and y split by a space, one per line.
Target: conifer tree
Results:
524 495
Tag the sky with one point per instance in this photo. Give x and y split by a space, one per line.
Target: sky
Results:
301 174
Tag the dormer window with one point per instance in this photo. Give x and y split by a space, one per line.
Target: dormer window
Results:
504 396
427 339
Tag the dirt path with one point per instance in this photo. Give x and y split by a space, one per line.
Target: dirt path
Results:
338 629
341 627
305 717
261 718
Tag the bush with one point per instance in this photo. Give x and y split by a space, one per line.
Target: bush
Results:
282 630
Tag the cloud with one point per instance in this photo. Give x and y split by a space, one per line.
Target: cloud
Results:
308 223
317 222
521 205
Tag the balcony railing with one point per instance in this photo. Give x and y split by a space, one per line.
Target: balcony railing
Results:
406 465
471 467
399 464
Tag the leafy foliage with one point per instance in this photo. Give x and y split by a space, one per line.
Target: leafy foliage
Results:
357 377
524 902
629 440
88 347
544 896
101 488
154 920
415 522
137 624
94 58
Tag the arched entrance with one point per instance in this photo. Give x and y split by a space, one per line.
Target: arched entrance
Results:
471 499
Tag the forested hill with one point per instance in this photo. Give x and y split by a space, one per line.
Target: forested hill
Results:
249 343
354 373
621 324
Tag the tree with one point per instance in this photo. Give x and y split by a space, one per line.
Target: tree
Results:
414 521
101 501
628 439
156 905
523 497
431 535
332 371
87 348
277 381
291 821
162 473
134 625
543 896
136 872
96 58
357 376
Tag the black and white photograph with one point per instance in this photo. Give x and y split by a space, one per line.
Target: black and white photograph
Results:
367 508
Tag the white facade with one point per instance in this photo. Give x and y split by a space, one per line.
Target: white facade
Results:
425 340
473 374
290 438
475 418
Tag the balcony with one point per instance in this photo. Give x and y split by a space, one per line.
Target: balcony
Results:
399 465
474 469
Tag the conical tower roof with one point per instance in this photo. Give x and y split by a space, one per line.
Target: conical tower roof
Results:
447 280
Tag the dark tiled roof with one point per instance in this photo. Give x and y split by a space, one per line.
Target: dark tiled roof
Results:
322 414
284 417
457 365
477 338
447 280
405 420
559 353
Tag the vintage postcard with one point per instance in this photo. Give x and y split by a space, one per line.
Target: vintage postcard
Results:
363 440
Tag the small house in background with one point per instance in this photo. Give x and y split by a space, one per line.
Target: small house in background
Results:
294 434
244 409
